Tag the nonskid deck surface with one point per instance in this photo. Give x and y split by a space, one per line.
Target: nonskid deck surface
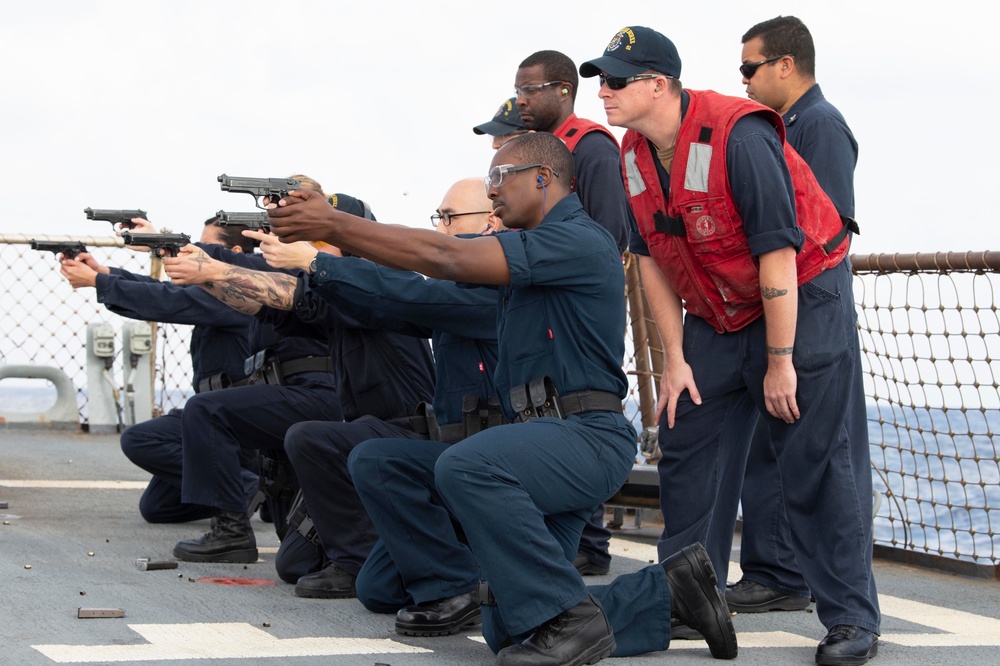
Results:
72 518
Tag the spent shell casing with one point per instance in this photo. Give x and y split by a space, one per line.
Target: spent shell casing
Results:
144 564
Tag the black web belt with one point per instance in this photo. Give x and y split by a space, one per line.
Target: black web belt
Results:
476 416
220 381
309 364
265 368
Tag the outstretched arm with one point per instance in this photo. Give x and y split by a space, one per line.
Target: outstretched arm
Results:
306 215
242 289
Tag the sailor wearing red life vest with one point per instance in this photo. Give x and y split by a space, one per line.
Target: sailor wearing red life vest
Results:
732 227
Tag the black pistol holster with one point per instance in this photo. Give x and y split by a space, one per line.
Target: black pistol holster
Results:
275 480
299 520
264 368
539 398
536 399
477 417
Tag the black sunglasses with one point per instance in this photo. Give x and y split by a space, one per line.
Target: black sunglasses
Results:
619 82
748 69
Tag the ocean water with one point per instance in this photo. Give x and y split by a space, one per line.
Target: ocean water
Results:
939 473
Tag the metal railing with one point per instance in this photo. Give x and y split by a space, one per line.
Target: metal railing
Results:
43 322
930 340
930 336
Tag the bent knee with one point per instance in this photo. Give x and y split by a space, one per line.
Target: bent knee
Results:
363 460
457 471
296 440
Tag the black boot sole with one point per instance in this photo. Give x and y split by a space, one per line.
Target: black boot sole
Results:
312 593
701 564
847 660
787 603
228 557
600 651
470 619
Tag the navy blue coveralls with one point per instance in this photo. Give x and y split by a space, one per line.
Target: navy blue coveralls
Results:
823 458
462 325
219 343
522 492
818 132
382 377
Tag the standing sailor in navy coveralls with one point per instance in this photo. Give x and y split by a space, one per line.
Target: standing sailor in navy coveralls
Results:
219 346
778 70
545 87
734 228
522 492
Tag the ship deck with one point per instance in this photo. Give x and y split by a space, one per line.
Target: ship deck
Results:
71 534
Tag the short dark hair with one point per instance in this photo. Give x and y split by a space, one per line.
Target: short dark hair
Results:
556 66
786 34
233 236
544 148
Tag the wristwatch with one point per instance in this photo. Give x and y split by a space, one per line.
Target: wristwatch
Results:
312 266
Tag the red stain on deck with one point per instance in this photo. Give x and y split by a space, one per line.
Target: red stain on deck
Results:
245 582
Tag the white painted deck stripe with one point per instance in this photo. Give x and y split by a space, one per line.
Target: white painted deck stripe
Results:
87 485
237 640
228 640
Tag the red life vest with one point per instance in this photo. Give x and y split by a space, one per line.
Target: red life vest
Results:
575 128
703 251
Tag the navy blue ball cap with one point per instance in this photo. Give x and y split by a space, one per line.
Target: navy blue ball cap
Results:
635 50
349 204
506 120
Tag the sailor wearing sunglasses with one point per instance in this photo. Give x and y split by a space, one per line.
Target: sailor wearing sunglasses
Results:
732 226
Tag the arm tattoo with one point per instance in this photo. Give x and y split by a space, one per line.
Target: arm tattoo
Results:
779 351
771 292
248 290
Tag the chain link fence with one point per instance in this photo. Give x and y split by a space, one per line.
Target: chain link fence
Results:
930 340
44 322
930 335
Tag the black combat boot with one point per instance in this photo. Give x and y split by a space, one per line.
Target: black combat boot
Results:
697 602
439 618
330 582
230 540
580 635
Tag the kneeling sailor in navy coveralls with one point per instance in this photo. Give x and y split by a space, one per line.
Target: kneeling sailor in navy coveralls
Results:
522 492
220 343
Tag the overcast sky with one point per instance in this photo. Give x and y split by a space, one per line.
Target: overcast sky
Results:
142 104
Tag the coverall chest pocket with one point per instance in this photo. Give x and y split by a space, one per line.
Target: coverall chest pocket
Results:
527 326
